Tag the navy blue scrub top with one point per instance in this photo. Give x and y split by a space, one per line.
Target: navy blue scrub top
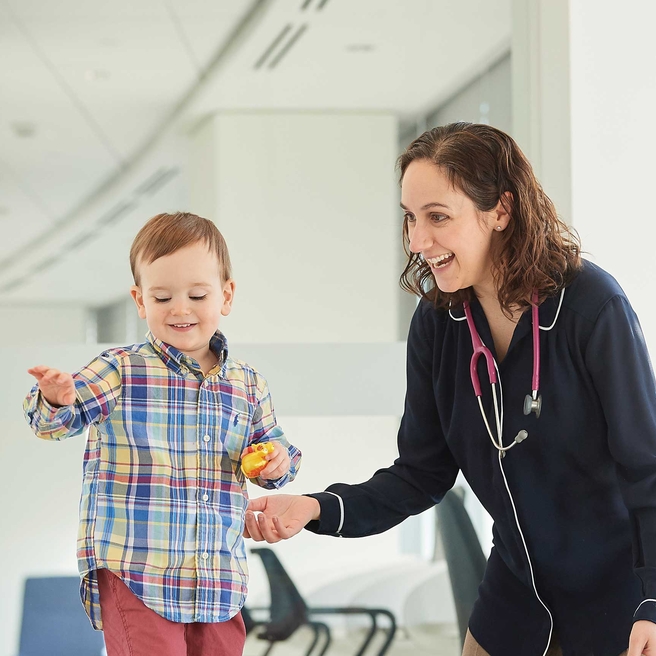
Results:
583 482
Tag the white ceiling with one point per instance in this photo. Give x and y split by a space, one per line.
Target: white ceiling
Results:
94 94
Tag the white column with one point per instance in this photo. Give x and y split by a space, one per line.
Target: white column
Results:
613 143
308 204
541 93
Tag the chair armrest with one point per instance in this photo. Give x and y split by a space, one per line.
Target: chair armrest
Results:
373 613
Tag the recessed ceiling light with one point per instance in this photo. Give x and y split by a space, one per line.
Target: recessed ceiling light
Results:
23 129
96 75
361 47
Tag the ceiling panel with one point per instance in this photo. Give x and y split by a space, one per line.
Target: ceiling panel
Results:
21 214
398 56
205 25
95 81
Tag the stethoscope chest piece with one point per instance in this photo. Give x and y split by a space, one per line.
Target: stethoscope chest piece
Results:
533 405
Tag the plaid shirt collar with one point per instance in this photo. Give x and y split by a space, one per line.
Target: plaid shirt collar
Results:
181 362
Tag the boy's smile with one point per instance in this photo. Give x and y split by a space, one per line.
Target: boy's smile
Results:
182 297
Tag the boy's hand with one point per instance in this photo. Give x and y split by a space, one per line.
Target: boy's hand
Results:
57 387
278 462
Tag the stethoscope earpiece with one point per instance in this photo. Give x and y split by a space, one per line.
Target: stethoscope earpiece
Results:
533 405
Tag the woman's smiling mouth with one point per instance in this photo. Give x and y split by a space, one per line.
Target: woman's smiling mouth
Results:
440 261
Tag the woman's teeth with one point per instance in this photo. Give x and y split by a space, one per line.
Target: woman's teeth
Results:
440 260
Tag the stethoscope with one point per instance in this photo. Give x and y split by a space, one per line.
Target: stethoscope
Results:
532 401
532 404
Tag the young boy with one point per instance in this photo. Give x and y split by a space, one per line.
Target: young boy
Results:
160 547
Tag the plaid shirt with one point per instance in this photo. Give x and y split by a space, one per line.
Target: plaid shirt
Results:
163 495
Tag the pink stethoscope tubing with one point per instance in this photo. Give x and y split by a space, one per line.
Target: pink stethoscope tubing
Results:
532 402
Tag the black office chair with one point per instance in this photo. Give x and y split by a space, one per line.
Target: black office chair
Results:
289 611
464 557
54 621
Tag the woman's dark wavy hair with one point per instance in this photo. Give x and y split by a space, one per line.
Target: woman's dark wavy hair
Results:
536 251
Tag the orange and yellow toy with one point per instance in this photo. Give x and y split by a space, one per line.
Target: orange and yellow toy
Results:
254 460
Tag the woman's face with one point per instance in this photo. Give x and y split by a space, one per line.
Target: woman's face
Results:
448 230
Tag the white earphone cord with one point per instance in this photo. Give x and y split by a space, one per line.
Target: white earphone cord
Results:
528 557
499 418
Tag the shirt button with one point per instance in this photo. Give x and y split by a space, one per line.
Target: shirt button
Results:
184 371
206 438
205 497
205 555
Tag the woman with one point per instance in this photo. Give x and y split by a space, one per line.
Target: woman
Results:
569 473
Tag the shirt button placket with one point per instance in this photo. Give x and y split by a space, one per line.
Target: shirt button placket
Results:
204 459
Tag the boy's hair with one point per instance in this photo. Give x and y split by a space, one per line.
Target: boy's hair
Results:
167 233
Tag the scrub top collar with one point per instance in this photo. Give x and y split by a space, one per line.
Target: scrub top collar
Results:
547 313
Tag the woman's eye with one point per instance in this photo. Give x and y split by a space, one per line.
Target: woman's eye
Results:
409 218
161 300
438 217
198 298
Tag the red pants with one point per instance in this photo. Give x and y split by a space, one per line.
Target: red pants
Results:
133 629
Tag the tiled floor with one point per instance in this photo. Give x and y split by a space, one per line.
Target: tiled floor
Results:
426 640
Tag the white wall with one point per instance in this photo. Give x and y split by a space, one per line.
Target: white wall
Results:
487 99
308 203
613 91
33 324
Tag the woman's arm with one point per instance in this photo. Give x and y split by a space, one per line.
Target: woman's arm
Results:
618 361
419 478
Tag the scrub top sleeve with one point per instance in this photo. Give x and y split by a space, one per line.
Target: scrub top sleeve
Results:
617 359
425 469
332 514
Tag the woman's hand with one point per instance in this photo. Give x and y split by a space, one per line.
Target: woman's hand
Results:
57 387
281 516
643 639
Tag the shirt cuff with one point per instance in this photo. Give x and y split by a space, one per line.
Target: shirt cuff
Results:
43 413
646 611
273 483
332 514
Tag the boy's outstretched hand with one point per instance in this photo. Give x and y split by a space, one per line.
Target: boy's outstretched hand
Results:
281 516
57 387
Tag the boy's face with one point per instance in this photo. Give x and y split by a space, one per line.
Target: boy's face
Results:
182 297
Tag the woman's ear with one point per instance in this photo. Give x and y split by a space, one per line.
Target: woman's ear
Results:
137 296
503 211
